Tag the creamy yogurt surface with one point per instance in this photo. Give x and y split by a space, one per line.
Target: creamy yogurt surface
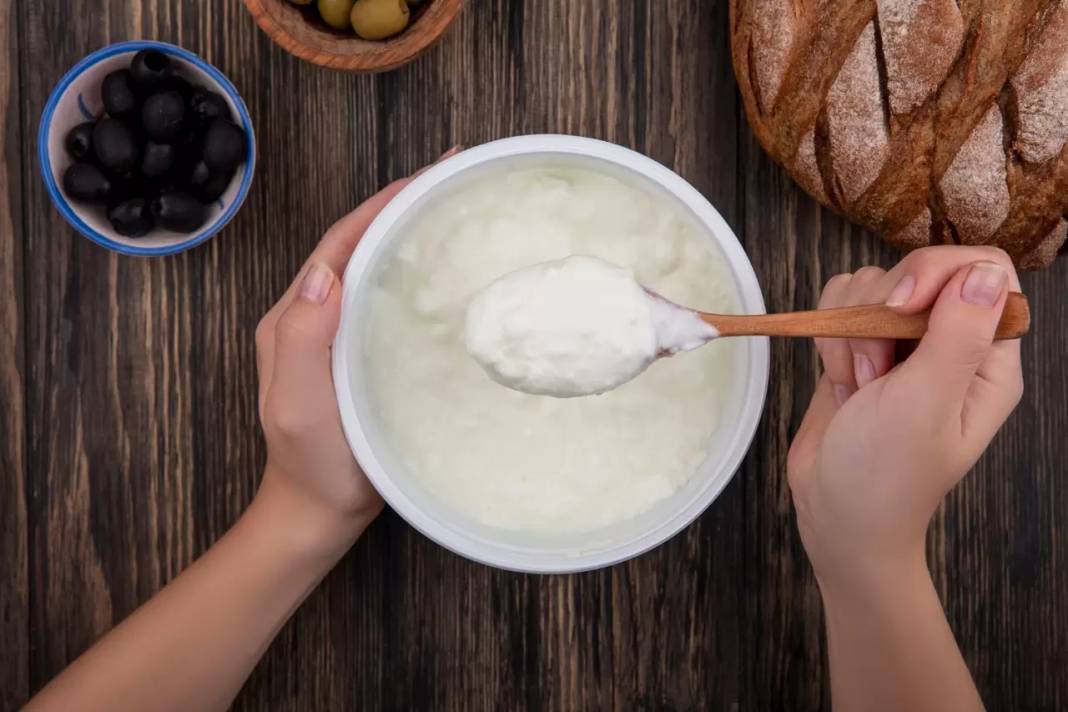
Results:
575 327
531 462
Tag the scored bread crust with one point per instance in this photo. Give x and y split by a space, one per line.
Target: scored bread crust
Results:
928 121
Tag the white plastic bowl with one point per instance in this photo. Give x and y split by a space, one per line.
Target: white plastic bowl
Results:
76 99
514 550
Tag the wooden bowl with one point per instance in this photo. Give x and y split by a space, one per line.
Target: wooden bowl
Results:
299 31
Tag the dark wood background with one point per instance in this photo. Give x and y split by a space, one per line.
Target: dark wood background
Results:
128 433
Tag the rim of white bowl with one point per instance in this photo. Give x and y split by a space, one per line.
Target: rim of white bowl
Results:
63 205
477 548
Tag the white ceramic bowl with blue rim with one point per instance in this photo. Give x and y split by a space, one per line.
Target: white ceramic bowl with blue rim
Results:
76 99
519 551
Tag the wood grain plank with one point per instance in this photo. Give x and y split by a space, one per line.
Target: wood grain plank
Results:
782 616
1003 538
14 562
109 363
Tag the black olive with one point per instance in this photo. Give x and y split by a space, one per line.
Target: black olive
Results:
200 175
133 185
187 150
224 146
150 67
191 142
131 218
179 84
118 94
179 212
84 181
79 141
208 185
214 188
116 146
207 106
162 115
158 159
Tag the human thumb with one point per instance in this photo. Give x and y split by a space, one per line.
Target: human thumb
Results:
303 337
959 335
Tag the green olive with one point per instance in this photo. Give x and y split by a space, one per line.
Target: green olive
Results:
335 12
300 2
379 19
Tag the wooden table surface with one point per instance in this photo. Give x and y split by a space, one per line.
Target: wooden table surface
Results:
128 433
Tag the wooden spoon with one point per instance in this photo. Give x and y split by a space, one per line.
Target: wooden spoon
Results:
534 330
872 321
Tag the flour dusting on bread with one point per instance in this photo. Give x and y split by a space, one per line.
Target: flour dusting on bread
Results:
808 169
1041 87
1047 250
917 233
773 35
856 120
975 188
921 40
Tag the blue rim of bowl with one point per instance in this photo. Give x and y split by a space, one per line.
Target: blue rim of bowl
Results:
60 201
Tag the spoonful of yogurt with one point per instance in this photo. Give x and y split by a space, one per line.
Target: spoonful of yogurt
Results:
574 327
582 326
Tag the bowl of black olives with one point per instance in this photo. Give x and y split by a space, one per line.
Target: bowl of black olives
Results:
146 149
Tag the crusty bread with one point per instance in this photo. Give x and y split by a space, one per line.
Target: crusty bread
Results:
928 121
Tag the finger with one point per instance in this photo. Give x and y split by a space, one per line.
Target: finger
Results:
986 408
959 337
304 335
264 360
338 243
990 401
872 358
443 157
996 390
835 354
821 411
915 283
336 246
334 249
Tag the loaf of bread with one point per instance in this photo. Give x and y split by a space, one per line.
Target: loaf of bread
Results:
927 121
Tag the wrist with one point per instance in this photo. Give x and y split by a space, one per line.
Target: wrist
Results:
301 523
875 584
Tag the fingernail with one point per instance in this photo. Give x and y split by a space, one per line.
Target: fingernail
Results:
901 294
984 285
841 394
316 284
863 369
448 154
451 152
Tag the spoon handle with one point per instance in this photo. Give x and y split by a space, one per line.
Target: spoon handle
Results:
872 321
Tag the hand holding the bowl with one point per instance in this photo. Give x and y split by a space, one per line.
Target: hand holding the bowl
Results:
309 462
310 468
881 445
193 645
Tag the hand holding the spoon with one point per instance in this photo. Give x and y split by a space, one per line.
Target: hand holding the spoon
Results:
881 445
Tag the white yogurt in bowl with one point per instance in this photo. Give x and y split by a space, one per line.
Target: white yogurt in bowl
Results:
531 482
